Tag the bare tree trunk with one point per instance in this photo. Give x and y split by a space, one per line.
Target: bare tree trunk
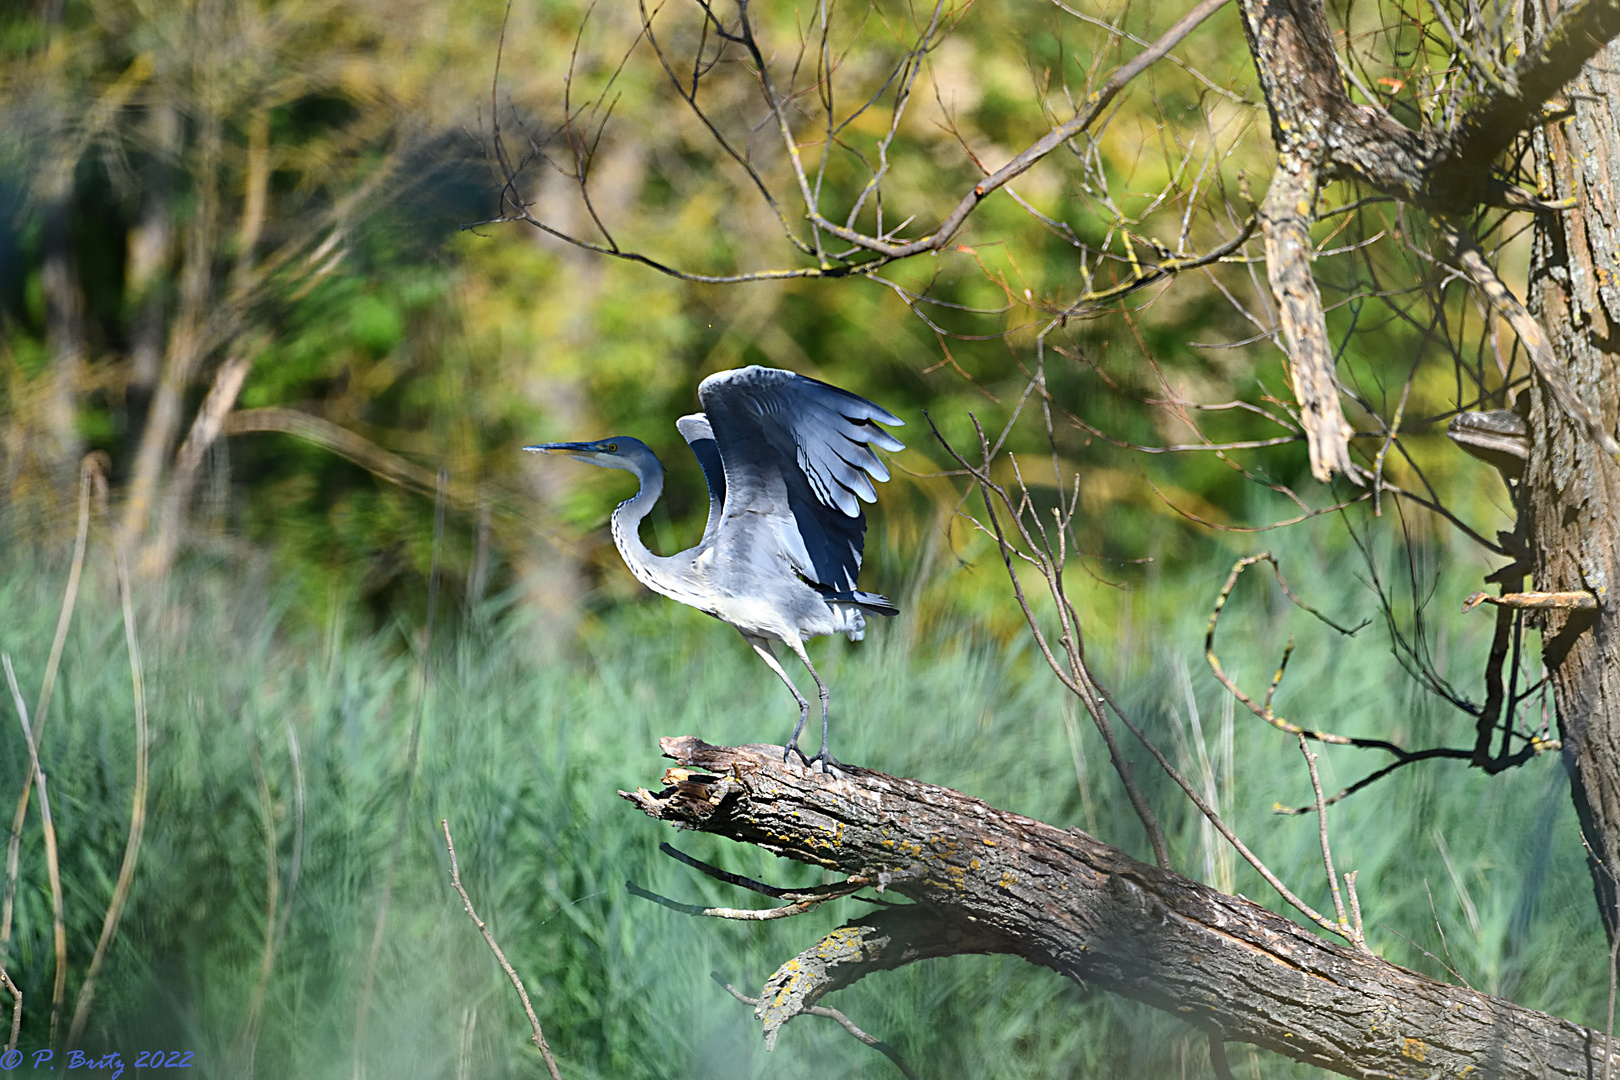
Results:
1293 55
1573 487
175 504
985 880
64 334
185 348
150 253
158 556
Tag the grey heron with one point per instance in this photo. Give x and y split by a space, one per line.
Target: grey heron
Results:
788 461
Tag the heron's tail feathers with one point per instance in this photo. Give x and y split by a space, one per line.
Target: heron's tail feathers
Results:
864 601
853 608
877 605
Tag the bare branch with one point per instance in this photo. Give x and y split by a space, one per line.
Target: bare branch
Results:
1546 363
538 1036
880 941
1071 903
1285 219
786 911
832 1014
1352 932
1462 174
1264 712
1579 600
16 1009
346 444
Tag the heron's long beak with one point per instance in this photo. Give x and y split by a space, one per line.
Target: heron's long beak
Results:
560 448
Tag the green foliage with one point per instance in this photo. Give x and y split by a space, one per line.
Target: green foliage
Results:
454 348
525 738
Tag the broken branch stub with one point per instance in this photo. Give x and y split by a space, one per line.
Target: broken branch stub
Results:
880 941
1066 901
1285 220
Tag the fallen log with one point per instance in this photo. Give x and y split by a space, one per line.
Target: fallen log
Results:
985 880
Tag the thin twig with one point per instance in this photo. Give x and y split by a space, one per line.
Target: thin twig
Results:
879 249
16 1009
1410 757
1445 947
362 1013
1355 904
1264 711
832 1014
1575 600
1220 824
1078 678
722 875
786 911
1608 1028
773 891
1065 674
137 810
1327 852
489 939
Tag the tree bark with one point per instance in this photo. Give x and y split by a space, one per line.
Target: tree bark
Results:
985 880
1572 487
1293 56
1286 218
1320 133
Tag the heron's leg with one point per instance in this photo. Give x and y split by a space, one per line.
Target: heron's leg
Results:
763 647
824 757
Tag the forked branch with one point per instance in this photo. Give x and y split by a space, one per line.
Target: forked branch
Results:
983 879
832 1014
1264 709
1484 277
1073 671
867 251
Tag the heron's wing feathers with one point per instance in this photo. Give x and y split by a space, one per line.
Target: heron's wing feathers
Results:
798 452
699 436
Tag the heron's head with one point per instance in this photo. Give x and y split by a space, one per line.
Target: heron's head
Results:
619 452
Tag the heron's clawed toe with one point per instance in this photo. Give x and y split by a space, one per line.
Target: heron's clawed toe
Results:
830 765
824 760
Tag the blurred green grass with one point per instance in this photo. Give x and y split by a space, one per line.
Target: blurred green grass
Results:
525 740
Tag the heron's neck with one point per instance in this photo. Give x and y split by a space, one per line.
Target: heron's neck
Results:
653 571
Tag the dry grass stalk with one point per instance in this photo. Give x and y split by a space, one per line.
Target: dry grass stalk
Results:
137 810
91 466
52 866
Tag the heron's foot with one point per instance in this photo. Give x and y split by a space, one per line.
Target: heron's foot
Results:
829 764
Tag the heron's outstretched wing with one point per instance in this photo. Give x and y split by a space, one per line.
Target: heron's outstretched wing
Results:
700 437
797 459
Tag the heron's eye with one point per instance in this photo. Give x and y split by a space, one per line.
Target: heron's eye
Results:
613 448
